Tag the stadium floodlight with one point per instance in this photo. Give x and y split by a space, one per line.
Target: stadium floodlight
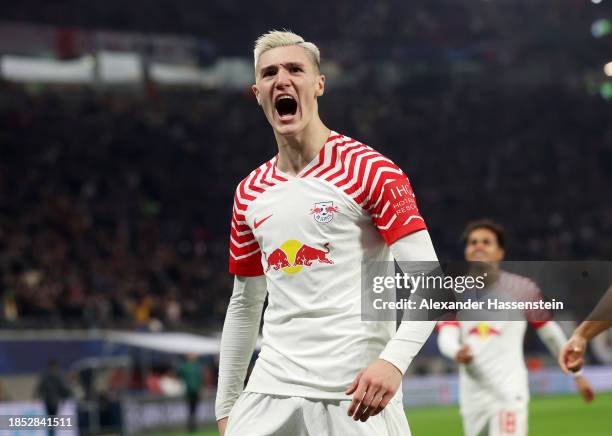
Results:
601 27
606 90
608 69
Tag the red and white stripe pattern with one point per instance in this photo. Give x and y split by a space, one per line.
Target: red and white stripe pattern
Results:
244 249
524 289
245 259
363 174
358 170
441 324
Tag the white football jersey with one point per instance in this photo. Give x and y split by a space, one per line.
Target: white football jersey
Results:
497 374
309 234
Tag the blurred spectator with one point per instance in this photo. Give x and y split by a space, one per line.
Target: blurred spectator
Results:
4 395
190 372
52 388
118 382
170 385
153 383
375 29
122 218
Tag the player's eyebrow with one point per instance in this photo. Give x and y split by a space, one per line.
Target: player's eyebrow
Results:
267 68
287 65
293 64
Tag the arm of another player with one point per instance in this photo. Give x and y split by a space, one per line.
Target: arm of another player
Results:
553 337
376 385
238 341
449 343
571 357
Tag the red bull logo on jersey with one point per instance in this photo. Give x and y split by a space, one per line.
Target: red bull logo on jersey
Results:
294 255
484 331
323 211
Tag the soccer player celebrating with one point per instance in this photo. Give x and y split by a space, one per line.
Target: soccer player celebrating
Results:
302 224
493 385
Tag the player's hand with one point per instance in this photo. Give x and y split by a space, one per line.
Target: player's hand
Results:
571 357
464 355
222 423
372 389
585 389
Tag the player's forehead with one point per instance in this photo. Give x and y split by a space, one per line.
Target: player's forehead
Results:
482 233
291 54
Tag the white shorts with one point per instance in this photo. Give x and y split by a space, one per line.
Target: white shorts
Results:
266 415
497 421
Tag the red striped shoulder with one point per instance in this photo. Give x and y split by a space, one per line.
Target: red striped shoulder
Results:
538 324
256 183
376 184
244 249
359 170
324 157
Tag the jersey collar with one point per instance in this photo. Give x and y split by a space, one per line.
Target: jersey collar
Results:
313 164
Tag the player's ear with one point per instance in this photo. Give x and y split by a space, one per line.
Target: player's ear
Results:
256 92
320 86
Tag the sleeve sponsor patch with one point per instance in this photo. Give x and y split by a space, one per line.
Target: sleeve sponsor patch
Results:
399 193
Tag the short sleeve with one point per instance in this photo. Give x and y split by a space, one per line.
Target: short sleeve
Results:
536 317
392 204
245 254
441 324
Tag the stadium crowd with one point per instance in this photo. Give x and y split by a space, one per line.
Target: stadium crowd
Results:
114 208
385 28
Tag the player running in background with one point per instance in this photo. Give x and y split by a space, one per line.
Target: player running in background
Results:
302 224
493 384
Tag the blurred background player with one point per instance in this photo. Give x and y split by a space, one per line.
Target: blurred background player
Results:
190 373
493 385
52 389
302 224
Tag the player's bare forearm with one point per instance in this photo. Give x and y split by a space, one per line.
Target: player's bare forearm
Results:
584 388
589 329
600 318
571 357
222 424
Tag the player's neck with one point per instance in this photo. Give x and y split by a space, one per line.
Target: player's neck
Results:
489 271
297 151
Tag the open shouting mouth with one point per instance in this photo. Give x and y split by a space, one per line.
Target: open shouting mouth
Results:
286 106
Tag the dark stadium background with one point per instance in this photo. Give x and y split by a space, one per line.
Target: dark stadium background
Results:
115 199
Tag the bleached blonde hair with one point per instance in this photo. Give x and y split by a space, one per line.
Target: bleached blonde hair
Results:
283 38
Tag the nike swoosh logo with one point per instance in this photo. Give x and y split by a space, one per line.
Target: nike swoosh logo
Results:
260 222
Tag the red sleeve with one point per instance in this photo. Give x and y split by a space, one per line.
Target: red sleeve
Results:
446 324
392 203
245 254
538 324
536 317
